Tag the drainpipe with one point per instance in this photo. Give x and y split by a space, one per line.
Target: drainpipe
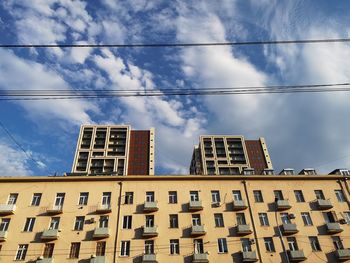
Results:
252 220
118 219
280 233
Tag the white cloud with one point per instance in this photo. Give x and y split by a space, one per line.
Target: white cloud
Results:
13 162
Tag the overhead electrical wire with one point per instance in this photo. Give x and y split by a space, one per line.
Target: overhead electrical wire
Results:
176 45
9 95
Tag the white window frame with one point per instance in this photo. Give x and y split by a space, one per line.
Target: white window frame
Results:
106 198
125 248
172 197
29 224
149 247
21 252
173 221
264 219
196 219
237 196
306 217
174 247
150 196
103 221
222 245
79 223
219 220
83 198
299 196
269 245
127 222
258 196
129 198
4 224
36 199
194 196
340 195
12 199
55 222
315 244
215 197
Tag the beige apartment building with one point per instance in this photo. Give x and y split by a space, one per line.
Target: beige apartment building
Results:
243 218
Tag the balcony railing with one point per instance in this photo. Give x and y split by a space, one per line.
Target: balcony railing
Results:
249 256
195 205
150 206
243 229
198 230
200 257
150 231
333 228
342 254
55 209
289 229
7 209
3 235
324 204
239 205
98 259
296 255
101 232
149 258
50 234
103 208
283 204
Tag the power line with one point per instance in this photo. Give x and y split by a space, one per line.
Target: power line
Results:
175 45
10 95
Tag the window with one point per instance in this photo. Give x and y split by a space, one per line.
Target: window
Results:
48 250
240 218
264 220
125 248
258 196
36 199
196 219
174 221
74 250
315 245
59 200
83 198
103 222
292 243
340 195
338 244
21 252
194 196
149 220
237 195
278 195
215 197
149 247
330 217
269 246
319 194
79 223
129 198
347 217
127 222
4 225
285 218
29 225
222 245
12 199
172 197
106 198
219 220
246 244
174 247
55 221
299 196
150 197
101 248
198 246
306 218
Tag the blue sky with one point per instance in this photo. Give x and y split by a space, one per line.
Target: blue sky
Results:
302 130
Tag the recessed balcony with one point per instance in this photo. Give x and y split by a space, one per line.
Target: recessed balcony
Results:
243 229
149 258
195 205
3 235
296 255
324 204
101 232
239 205
150 231
200 258
342 254
249 256
333 228
50 234
198 230
289 229
7 209
150 206
283 204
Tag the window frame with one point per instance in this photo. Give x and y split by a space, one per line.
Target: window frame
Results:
29 224
258 196
172 197
174 247
222 246
129 198
127 222
36 199
83 198
173 221
269 244
219 220
125 248
74 250
299 196
307 220
21 253
79 223
264 219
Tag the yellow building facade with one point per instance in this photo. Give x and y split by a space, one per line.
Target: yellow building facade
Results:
279 218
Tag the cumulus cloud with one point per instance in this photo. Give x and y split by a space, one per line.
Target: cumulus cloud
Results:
13 162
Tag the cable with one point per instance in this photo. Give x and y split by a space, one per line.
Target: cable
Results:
11 95
161 45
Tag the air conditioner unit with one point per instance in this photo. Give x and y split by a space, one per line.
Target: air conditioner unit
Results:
291 216
252 241
342 221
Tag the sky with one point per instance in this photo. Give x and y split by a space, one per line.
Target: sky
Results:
302 130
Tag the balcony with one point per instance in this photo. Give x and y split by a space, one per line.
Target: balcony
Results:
333 228
239 205
200 257
3 235
195 205
342 254
103 208
101 232
289 229
243 229
7 209
50 234
150 231
44 260
296 255
149 258
249 256
324 204
283 204
98 259
150 206
198 230
55 209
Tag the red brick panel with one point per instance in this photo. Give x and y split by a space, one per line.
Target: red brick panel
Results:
139 153
256 155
